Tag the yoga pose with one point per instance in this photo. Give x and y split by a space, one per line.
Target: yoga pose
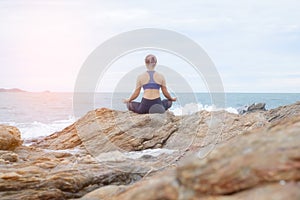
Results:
152 82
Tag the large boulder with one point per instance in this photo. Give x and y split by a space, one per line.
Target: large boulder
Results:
121 139
10 137
105 130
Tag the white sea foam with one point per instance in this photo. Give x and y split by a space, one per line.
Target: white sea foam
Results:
117 156
150 152
71 151
37 129
191 108
232 110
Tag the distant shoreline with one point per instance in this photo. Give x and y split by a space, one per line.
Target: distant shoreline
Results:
17 90
12 90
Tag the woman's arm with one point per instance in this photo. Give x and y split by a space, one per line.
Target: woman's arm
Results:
165 90
136 92
167 94
134 95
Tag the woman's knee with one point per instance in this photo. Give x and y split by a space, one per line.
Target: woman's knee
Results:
167 103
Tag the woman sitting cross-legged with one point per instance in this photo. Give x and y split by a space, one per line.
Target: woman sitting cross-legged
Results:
152 82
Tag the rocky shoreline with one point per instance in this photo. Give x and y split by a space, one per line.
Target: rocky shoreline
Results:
111 154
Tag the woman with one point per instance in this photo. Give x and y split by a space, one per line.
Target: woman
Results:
151 81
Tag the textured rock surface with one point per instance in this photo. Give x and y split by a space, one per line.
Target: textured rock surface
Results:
267 155
275 191
105 130
8 156
283 112
204 128
120 155
256 163
10 137
41 172
105 192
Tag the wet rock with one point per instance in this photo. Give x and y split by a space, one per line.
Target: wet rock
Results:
257 106
253 107
10 137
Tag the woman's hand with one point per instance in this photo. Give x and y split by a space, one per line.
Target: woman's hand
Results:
133 96
173 99
126 100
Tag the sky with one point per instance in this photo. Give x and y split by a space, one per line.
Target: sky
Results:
255 45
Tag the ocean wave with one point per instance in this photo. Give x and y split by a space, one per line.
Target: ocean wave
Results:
191 108
31 130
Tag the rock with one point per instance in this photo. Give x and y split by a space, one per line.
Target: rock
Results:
283 112
122 155
159 186
257 106
8 156
276 191
41 173
65 139
109 135
10 137
105 130
29 194
264 161
206 129
253 107
104 192
267 155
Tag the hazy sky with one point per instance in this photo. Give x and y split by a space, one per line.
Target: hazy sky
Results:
255 45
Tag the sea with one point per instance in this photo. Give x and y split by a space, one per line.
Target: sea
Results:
38 114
